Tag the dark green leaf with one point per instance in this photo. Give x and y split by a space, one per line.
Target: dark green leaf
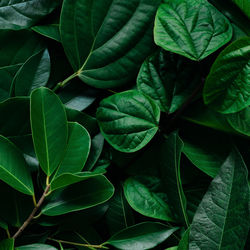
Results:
145 235
7 244
244 6
128 120
230 93
192 28
183 244
222 218
50 31
49 128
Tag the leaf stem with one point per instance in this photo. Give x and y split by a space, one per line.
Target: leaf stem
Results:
34 200
78 244
31 216
7 232
64 82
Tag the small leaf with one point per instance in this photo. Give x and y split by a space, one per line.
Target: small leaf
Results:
37 246
128 120
85 194
145 235
13 168
145 201
227 87
224 209
49 128
191 28
183 244
7 244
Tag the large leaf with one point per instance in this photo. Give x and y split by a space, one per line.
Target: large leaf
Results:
192 28
33 74
13 168
21 14
112 52
85 194
37 246
170 156
222 218
227 87
244 6
128 120
145 235
145 201
49 128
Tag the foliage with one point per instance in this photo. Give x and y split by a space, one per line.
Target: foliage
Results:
124 124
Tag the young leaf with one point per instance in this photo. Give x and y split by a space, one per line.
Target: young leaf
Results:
170 156
146 235
191 28
7 244
13 168
85 194
224 209
128 120
37 246
146 202
230 93
21 14
49 128
117 44
33 74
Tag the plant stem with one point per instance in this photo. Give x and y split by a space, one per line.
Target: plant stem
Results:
64 82
34 200
31 216
78 244
8 233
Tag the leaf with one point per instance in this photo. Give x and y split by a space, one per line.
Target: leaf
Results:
21 14
183 244
170 156
34 73
50 31
230 93
13 168
244 6
145 201
224 209
164 77
191 28
77 150
37 246
7 244
85 194
240 121
49 128
117 44
128 120
145 235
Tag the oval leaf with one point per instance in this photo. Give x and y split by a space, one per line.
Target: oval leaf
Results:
128 120
49 128
13 168
191 28
230 93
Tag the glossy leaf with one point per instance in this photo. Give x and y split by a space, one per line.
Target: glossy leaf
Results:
33 74
21 14
7 244
146 202
13 168
224 209
37 246
117 45
50 31
49 128
145 235
191 28
128 120
85 194
230 93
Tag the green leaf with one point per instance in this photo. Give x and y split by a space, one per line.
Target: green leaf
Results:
145 201
13 168
145 235
33 74
244 6
85 194
37 246
224 209
230 93
7 244
183 244
50 31
191 28
128 120
170 156
49 128
164 77
114 45
77 150
21 14
240 121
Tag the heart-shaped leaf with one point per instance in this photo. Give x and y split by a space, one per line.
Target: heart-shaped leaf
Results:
128 120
